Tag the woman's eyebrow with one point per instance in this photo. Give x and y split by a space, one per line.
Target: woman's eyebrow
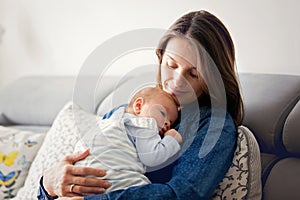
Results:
168 55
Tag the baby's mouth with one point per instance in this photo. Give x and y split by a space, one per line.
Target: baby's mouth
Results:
161 133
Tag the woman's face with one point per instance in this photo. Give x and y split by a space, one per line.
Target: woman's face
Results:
179 72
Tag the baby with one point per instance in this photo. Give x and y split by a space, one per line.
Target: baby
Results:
133 138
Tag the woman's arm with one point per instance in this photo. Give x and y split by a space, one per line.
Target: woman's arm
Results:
52 184
58 179
192 177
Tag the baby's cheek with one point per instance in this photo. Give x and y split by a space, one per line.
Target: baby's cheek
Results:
162 121
157 120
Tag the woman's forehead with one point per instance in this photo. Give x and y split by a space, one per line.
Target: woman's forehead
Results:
181 51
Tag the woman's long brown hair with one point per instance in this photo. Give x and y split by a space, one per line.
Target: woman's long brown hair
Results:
210 32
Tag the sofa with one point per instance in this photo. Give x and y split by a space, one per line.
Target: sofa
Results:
272 112
30 105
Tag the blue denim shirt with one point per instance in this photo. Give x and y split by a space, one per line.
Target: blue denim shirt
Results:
191 176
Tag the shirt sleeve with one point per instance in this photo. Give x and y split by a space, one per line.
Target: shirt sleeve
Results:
42 193
194 177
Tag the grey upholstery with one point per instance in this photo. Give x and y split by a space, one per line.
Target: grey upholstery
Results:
282 178
34 100
37 100
268 101
291 130
283 181
272 113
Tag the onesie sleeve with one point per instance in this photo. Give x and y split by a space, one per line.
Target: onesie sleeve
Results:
154 151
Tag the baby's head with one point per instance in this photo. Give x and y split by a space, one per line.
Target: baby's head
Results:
155 103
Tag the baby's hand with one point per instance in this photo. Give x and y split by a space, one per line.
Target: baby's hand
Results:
175 134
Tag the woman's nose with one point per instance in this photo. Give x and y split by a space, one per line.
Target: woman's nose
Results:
179 79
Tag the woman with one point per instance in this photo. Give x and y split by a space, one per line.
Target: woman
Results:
196 63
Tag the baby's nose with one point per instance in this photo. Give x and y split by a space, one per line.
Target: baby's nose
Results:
167 125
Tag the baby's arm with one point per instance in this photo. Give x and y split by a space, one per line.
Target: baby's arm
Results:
154 151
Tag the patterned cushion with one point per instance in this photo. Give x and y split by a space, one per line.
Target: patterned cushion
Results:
59 142
17 151
243 179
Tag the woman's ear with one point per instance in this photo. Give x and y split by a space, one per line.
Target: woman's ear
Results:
137 105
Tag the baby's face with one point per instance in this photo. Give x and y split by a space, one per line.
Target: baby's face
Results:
163 110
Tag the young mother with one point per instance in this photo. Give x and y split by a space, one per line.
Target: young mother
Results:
196 63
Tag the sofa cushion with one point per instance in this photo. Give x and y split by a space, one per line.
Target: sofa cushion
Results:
42 98
32 128
36 100
18 148
243 179
283 181
291 131
59 142
266 161
268 99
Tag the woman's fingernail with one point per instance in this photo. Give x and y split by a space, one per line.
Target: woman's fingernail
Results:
106 185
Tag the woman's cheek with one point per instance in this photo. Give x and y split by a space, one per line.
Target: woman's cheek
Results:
166 73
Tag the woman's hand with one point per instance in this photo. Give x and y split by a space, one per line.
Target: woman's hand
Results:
59 179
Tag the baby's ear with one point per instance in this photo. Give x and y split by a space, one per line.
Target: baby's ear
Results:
137 105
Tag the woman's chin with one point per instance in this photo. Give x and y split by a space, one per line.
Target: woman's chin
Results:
184 97
186 100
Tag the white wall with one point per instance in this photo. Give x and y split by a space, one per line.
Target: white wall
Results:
54 37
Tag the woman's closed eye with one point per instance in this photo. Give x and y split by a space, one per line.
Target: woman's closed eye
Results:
170 64
171 67
194 75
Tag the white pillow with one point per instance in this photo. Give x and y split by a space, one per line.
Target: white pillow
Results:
59 142
243 179
17 151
